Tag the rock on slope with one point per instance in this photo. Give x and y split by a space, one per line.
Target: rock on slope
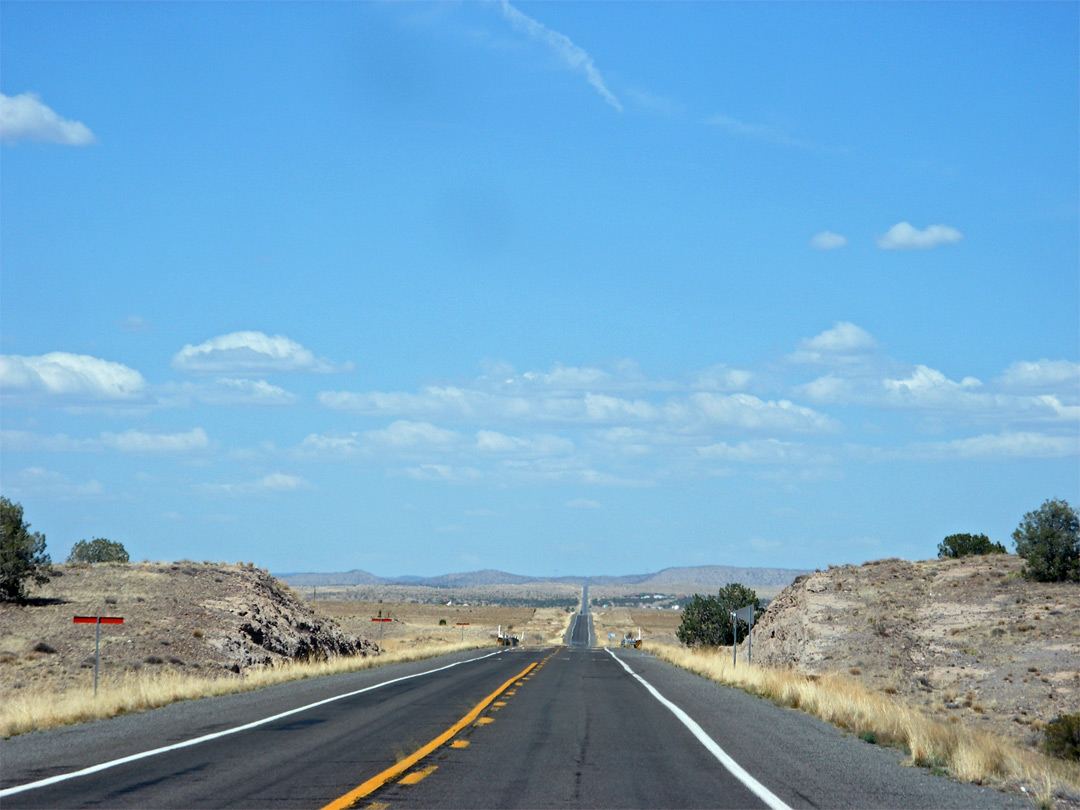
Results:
968 638
203 618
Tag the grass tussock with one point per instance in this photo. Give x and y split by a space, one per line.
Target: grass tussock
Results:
32 710
958 751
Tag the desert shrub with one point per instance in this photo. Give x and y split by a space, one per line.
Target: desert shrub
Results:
1061 737
42 647
706 620
98 550
1049 541
22 553
442 622
964 545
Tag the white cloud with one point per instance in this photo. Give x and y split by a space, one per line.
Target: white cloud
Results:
926 384
996 447
443 472
761 451
130 441
40 482
723 378
26 118
827 240
1042 375
569 54
135 441
251 353
582 503
410 434
841 341
491 441
225 391
903 236
317 446
751 413
71 375
273 483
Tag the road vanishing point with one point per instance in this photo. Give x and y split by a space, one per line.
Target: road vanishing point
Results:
557 727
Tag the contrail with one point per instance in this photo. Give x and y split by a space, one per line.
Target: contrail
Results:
572 56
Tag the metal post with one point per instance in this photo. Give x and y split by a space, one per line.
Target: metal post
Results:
734 640
462 634
749 634
97 653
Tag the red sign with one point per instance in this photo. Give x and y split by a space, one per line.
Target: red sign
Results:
99 620
462 624
382 620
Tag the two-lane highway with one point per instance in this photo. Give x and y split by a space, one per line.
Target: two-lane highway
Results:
580 632
571 726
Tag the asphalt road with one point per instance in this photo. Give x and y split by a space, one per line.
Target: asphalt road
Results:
576 730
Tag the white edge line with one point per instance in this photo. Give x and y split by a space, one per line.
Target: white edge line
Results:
52 780
734 767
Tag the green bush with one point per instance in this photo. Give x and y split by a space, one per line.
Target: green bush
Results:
1049 541
22 553
706 620
98 550
964 545
1061 737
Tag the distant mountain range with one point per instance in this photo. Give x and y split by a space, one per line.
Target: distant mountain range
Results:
713 576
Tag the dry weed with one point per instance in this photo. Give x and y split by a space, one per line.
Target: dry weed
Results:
962 752
32 710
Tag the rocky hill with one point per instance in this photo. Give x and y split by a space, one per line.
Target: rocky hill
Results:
968 638
201 618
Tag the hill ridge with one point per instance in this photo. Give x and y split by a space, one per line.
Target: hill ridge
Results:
702 575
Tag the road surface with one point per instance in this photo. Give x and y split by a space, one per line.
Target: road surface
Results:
572 726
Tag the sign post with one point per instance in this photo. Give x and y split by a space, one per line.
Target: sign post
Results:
745 614
462 625
381 622
98 620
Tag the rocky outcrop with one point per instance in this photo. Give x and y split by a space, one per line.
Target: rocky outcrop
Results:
272 624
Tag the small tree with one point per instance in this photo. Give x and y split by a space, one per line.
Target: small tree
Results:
22 554
964 545
98 550
1049 541
706 620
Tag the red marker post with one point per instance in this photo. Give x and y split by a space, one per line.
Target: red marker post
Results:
98 620
381 621
462 625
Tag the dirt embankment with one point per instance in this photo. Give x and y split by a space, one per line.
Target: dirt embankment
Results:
969 638
199 617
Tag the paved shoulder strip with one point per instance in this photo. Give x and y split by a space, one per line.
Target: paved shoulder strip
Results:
710 744
52 780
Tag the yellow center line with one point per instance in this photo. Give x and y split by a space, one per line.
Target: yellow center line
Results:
375 782
416 776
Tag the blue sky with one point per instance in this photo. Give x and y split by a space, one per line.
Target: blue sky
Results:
572 288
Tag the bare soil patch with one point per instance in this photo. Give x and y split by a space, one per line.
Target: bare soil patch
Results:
197 618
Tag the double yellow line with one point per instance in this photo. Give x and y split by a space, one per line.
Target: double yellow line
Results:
375 782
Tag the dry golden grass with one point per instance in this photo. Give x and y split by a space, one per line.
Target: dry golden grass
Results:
657 626
952 748
34 709
415 623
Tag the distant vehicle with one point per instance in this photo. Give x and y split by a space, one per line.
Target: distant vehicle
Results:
629 640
